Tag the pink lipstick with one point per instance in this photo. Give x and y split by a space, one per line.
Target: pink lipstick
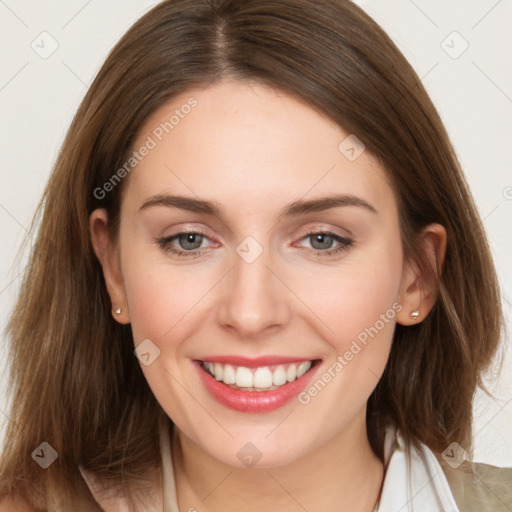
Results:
255 385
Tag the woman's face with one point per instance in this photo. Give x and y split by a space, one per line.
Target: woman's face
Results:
293 256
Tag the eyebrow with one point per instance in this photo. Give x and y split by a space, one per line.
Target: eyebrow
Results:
300 207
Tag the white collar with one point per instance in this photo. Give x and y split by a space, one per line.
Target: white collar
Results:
412 484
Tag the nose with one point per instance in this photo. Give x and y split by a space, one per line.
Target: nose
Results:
253 298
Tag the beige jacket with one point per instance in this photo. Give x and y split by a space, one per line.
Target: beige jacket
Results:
421 483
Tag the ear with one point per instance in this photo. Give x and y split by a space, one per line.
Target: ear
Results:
108 255
418 290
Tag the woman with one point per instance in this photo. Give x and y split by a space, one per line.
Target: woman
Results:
252 277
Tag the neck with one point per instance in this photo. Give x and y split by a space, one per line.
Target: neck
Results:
342 475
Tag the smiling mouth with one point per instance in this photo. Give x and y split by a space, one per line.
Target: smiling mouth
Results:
263 378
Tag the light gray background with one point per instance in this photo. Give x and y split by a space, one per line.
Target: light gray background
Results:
473 92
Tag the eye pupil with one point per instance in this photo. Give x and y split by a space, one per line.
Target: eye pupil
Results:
323 240
190 241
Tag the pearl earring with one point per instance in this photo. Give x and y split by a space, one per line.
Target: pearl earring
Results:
415 315
119 311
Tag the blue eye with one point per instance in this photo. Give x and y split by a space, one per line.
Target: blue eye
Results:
322 243
189 242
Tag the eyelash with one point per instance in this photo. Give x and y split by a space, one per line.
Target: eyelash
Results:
345 243
165 244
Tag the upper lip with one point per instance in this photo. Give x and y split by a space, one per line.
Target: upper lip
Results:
255 362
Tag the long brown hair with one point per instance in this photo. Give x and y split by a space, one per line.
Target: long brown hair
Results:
75 382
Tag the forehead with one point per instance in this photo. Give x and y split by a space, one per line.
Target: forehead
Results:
248 145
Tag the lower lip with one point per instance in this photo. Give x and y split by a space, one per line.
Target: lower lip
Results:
253 401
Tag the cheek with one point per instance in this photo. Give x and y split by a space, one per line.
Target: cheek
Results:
357 303
160 301
358 315
165 300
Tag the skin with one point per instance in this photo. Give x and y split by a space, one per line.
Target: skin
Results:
254 150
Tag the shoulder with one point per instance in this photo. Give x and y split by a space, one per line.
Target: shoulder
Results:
478 486
12 504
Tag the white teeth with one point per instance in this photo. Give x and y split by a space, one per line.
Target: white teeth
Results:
244 377
279 376
291 373
256 379
229 376
303 368
262 378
